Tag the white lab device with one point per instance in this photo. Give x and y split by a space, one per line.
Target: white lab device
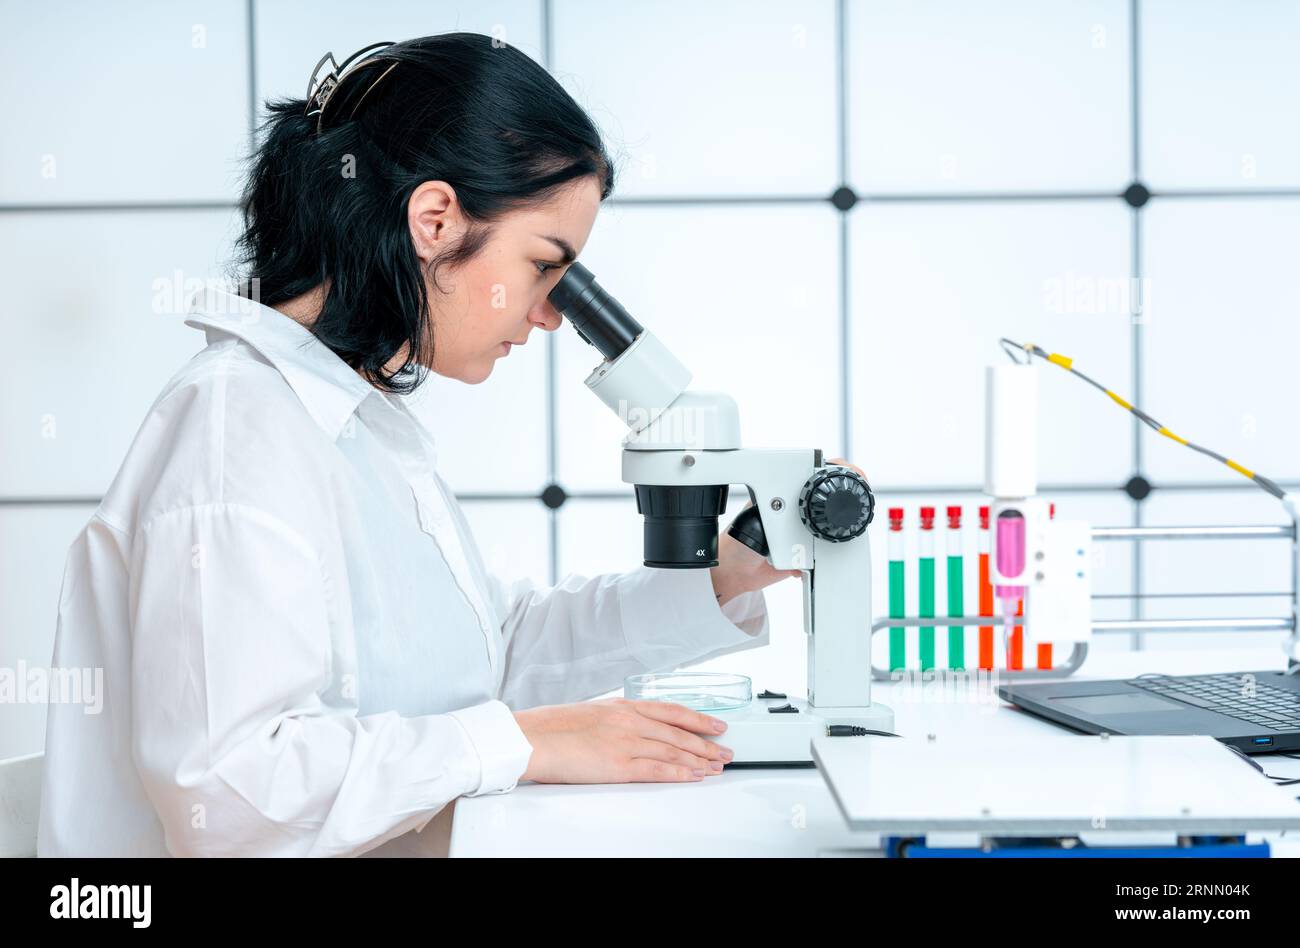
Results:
1011 431
682 454
1047 560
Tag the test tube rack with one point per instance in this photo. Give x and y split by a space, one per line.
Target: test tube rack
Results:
1289 532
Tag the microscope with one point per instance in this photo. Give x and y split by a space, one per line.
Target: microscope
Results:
682 453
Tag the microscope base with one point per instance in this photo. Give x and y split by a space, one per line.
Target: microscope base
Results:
763 737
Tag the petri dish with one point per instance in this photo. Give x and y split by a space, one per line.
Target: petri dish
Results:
699 691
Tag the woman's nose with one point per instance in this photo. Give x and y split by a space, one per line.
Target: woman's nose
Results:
546 316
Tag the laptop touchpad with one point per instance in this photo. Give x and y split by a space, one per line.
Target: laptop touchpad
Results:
1132 702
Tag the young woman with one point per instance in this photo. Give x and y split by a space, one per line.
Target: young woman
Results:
301 650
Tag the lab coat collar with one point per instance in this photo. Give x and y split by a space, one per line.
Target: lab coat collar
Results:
327 386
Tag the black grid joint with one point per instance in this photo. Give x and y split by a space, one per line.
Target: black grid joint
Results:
844 198
1138 487
1136 194
554 496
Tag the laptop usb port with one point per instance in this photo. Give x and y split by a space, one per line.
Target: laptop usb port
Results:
1261 741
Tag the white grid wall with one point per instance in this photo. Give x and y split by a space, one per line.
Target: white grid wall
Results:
830 209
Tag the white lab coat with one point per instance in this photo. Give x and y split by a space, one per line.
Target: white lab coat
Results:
302 652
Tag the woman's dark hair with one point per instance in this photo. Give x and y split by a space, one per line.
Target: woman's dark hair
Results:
330 205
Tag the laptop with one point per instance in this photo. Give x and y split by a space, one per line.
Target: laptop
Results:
1255 712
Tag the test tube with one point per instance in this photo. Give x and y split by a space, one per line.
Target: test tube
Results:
926 586
1011 562
897 604
1016 652
985 592
956 633
1045 648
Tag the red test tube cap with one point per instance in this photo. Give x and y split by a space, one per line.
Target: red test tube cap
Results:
896 518
927 518
954 518
984 518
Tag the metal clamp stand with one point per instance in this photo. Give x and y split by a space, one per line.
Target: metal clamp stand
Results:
1239 624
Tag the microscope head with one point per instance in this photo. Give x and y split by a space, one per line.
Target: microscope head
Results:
644 384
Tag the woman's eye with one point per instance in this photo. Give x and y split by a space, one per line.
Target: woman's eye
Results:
542 267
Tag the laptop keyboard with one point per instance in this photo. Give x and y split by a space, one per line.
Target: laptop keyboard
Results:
1236 695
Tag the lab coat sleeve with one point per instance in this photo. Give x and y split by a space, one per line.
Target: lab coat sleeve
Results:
245 738
581 638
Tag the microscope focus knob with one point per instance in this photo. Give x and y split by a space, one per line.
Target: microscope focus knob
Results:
837 504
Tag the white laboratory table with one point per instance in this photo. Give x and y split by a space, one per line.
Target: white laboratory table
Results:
788 812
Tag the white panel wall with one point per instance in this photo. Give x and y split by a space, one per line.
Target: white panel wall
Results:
1220 83
101 297
936 286
1018 95
1222 335
730 97
141 101
730 123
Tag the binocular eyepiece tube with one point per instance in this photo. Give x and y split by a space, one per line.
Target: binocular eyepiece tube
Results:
597 316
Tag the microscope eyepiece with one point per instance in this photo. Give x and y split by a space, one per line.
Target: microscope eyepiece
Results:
597 316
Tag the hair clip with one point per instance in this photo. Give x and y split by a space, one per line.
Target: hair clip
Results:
322 88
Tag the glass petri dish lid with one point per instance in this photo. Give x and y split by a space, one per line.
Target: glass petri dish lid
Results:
699 691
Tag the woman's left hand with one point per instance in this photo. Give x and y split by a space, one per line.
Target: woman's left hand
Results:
741 570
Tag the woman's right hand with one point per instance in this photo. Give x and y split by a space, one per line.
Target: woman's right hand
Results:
621 741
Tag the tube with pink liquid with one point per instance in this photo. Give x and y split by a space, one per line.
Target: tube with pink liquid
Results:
1010 562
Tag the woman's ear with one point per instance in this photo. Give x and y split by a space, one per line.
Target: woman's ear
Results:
433 214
